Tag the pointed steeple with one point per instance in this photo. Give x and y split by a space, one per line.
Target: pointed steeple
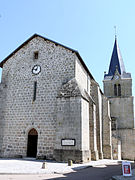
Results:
116 61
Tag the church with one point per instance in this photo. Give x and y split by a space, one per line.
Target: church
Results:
51 107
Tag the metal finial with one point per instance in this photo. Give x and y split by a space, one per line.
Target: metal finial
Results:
115 32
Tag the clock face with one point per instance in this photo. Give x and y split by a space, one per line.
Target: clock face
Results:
116 77
36 69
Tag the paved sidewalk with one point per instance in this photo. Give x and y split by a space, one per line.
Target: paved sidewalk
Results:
31 166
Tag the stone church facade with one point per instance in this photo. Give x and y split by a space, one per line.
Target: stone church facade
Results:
51 107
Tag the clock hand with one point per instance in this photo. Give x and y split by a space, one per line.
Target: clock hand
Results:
35 68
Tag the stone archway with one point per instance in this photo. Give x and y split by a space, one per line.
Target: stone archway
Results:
32 143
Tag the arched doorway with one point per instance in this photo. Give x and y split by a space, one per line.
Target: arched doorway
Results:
32 143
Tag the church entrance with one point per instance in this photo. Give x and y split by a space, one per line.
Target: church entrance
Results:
32 143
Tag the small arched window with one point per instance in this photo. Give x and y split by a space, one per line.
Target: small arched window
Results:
119 90
115 89
36 55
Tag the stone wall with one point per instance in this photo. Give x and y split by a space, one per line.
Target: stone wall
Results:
93 131
21 113
68 127
107 135
85 124
72 124
96 95
127 138
116 145
2 105
82 76
126 87
122 110
100 123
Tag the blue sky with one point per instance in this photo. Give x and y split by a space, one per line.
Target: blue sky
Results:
84 25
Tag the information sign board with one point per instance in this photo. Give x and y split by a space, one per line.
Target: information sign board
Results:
126 168
68 142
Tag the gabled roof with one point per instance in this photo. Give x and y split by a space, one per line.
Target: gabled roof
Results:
46 39
116 61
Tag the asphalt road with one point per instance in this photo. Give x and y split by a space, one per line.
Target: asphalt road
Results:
102 172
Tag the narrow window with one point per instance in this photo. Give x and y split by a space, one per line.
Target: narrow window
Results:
115 89
36 55
114 123
119 90
35 90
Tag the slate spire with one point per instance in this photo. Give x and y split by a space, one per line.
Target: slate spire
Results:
116 61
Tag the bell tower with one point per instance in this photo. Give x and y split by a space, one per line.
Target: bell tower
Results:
118 88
